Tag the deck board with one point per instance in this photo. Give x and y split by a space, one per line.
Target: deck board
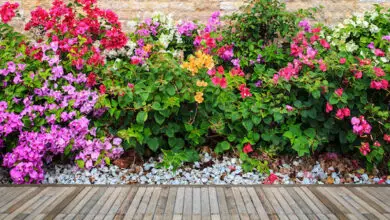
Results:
194 202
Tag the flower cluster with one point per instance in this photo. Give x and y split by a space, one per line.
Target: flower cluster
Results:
360 126
199 61
7 11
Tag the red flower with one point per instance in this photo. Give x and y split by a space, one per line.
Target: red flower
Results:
219 81
91 80
244 91
378 85
365 148
328 107
339 92
324 43
343 60
102 89
221 70
386 137
7 11
316 30
342 113
247 148
271 179
377 144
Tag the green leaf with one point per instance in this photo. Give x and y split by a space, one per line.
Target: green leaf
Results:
80 163
159 118
278 117
153 144
141 117
171 90
316 94
310 132
222 147
248 124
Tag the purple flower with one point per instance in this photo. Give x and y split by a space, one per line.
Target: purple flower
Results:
54 45
259 83
117 141
371 46
387 37
186 28
236 62
11 67
305 24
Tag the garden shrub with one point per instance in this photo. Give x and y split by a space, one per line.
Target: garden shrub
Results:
260 80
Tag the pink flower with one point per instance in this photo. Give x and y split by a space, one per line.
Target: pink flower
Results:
289 108
355 121
247 148
7 11
102 89
342 113
365 148
379 53
339 92
211 72
379 72
386 138
343 60
244 91
358 75
328 107
377 144
323 67
378 85
360 126
324 43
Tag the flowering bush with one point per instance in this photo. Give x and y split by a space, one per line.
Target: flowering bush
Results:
82 89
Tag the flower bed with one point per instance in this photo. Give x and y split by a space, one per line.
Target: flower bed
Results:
261 81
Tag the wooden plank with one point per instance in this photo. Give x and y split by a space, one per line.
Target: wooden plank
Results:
35 200
53 211
92 203
108 203
187 209
162 201
267 205
290 201
120 214
231 203
262 214
150 210
299 201
286 207
135 203
141 210
351 211
362 203
11 206
123 192
10 195
56 197
341 193
222 204
196 203
214 208
379 194
240 203
335 208
250 208
168 213
94 210
367 200
179 204
205 205
310 203
79 203
274 202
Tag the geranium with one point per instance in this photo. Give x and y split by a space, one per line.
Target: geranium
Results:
219 81
379 72
247 148
343 60
7 11
226 52
386 138
378 85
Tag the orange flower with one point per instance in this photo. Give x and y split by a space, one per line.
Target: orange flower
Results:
201 83
199 97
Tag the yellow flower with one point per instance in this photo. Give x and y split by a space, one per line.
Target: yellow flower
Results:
201 83
199 97
147 48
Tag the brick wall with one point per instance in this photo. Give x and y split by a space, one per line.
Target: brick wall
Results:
334 10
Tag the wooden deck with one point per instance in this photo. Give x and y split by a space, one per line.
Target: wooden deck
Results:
194 202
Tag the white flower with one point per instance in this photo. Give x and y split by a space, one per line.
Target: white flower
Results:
374 29
384 59
351 46
374 15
